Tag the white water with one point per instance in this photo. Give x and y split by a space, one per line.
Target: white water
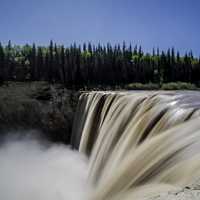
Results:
138 143
30 170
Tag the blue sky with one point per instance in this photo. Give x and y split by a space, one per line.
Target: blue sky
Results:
150 23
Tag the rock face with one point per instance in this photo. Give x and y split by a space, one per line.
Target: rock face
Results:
38 105
185 194
191 192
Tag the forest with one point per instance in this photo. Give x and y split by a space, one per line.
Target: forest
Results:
92 65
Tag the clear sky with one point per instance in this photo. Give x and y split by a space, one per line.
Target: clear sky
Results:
150 23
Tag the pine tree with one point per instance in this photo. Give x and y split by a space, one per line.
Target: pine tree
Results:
2 64
62 65
135 51
40 65
140 52
50 64
9 61
56 65
33 66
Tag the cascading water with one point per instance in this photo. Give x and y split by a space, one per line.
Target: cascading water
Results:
138 142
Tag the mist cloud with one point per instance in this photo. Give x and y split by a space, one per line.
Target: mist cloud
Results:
30 170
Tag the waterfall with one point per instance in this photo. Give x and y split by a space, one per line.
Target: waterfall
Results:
138 142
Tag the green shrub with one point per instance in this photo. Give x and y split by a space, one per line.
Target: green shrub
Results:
140 86
178 86
164 86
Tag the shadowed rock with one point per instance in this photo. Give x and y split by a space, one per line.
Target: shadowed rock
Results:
37 105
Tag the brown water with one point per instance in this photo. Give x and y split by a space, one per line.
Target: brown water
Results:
138 143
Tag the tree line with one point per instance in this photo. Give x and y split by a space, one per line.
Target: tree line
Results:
93 65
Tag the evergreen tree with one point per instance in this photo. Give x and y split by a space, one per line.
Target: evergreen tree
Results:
140 52
56 65
51 61
40 65
33 66
62 65
2 64
9 61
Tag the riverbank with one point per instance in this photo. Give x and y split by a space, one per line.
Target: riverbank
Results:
40 106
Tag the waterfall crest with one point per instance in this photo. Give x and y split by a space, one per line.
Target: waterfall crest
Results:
138 140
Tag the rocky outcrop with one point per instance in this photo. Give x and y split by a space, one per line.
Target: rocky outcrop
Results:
38 105
185 194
